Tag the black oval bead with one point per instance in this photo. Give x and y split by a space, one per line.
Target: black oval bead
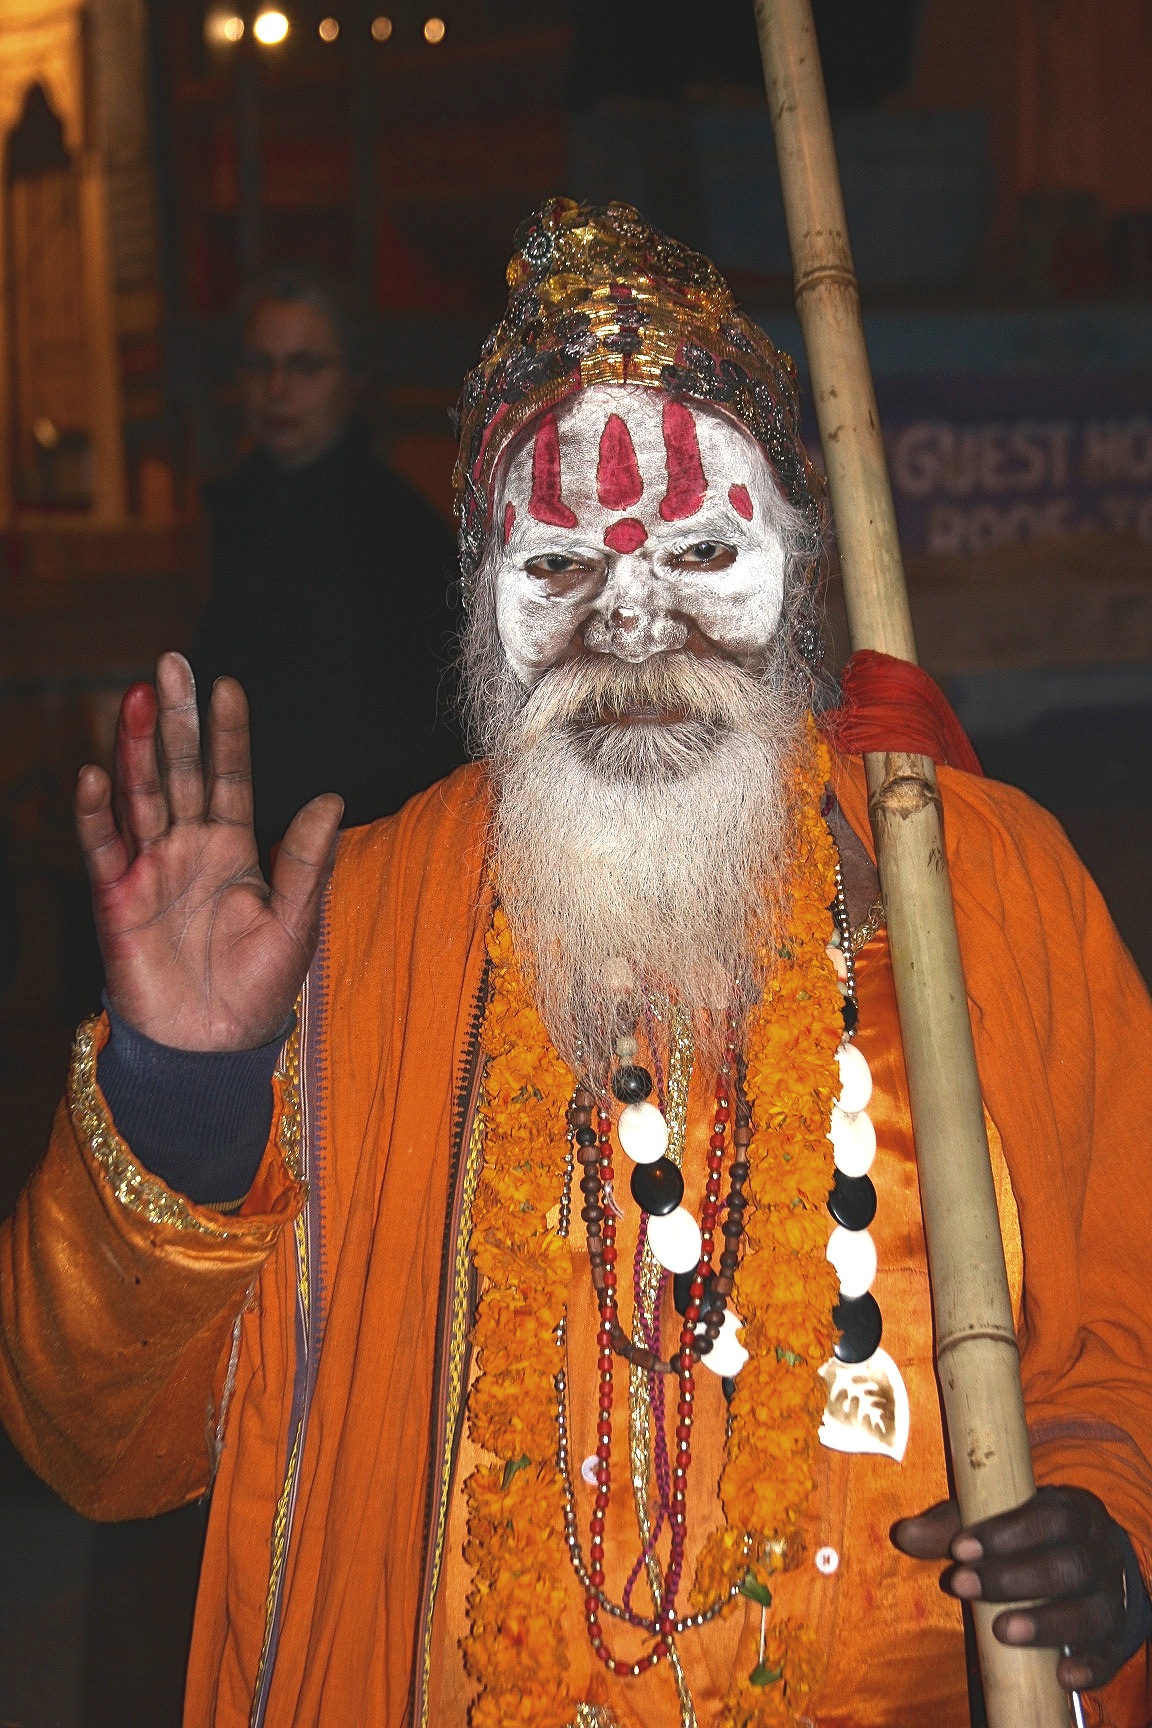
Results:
861 1327
851 1013
585 1136
682 1290
852 1201
631 1084
657 1188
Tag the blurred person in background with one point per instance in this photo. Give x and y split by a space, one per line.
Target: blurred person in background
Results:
330 574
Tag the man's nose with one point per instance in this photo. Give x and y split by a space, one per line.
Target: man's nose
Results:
632 618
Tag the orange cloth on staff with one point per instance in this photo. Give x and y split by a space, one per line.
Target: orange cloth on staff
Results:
308 1349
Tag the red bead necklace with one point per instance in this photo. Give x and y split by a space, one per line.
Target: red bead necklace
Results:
595 1150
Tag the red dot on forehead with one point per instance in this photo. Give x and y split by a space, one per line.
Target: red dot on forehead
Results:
509 519
740 501
625 536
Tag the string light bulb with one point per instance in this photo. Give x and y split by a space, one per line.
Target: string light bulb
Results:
381 28
223 28
270 27
434 29
328 29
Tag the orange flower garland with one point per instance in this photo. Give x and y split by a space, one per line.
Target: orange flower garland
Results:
785 1291
515 1647
785 1288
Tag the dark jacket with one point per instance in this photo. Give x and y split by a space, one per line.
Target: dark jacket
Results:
330 602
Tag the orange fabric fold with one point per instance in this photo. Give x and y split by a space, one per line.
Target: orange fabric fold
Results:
116 1326
890 704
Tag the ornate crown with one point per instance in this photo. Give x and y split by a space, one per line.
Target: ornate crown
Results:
596 296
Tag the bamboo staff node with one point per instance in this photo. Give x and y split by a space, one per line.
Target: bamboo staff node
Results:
977 1357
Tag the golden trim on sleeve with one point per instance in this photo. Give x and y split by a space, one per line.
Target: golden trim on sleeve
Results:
133 1186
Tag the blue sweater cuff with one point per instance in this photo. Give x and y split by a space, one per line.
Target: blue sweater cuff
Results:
199 1120
1138 1620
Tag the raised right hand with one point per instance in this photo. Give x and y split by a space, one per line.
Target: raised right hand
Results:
199 953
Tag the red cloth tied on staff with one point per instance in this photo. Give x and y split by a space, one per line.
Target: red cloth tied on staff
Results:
890 704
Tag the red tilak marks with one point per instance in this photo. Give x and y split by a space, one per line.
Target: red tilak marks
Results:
618 482
546 504
686 483
740 501
625 536
509 518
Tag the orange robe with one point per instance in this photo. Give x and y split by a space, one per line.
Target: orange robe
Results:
312 1351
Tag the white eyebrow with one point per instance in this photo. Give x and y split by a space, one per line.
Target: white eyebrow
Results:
538 540
716 525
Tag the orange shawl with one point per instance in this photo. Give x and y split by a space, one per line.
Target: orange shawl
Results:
332 1328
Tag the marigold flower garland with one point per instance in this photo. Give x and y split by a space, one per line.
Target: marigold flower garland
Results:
785 1290
515 1647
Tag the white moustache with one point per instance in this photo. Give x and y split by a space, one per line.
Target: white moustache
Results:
598 690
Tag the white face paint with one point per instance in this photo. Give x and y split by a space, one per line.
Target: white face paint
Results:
630 524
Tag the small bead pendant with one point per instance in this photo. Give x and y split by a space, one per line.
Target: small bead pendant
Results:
657 1188
631 1084
643 1133
675 1241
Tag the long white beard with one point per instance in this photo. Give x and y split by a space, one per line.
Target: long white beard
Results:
644 859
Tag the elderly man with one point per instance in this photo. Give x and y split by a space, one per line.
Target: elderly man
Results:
522 1233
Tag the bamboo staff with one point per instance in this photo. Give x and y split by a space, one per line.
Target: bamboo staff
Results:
976 1348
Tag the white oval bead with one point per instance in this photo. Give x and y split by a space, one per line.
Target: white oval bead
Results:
827 1561
643 1133
590 1470
855 1079
675 1240
727 1355
853 1254
853 1142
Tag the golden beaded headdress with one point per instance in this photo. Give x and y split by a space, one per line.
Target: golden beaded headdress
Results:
596 296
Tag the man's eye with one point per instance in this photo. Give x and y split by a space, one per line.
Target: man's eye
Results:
707 552
554 564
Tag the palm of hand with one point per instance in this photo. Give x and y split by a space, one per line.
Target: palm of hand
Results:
199 953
